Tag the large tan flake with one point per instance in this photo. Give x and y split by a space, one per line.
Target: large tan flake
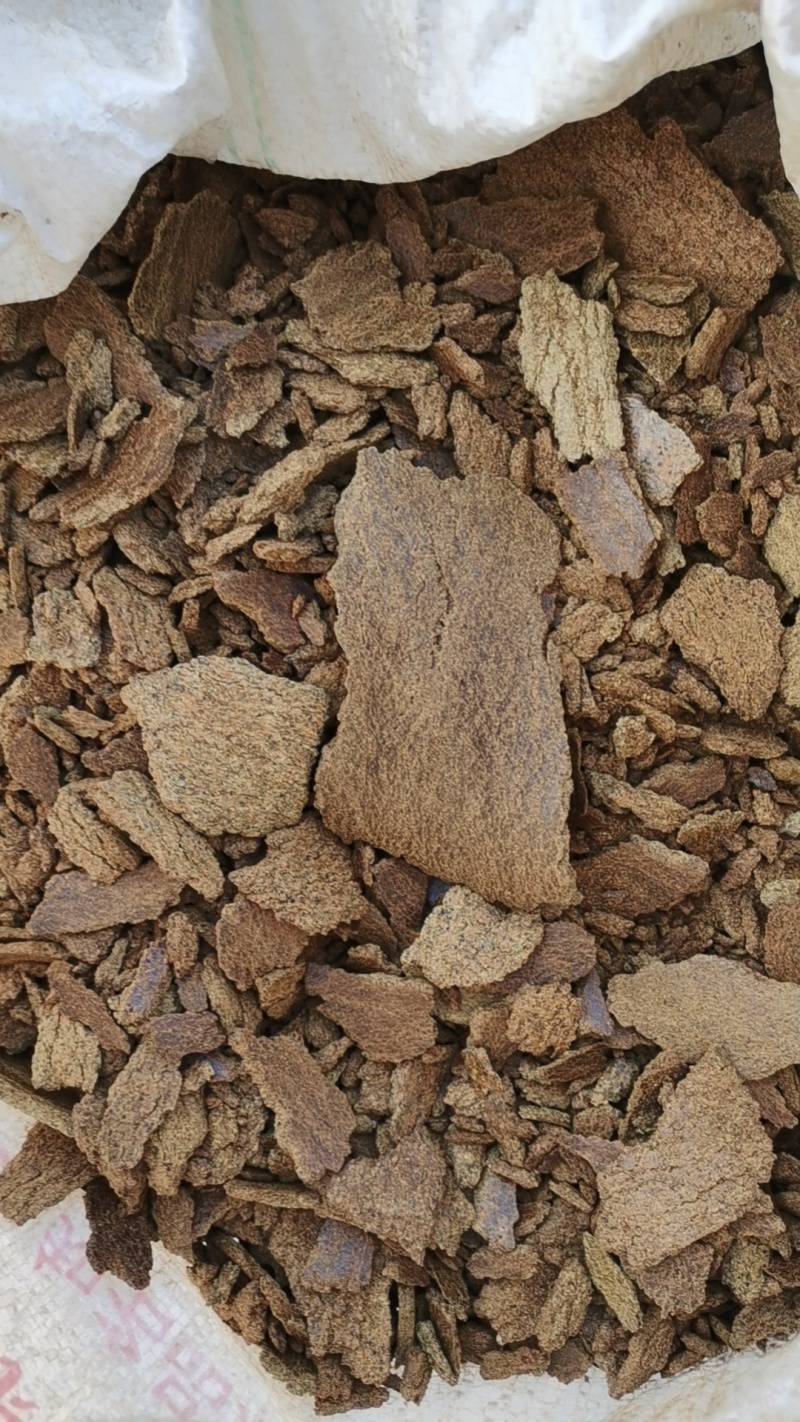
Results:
451 750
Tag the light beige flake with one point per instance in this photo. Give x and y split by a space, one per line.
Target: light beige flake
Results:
129 802
712 1002
230 747
782 543
700 1170
661 454
62 632
730 627
306 879
569 357
466 942
440 618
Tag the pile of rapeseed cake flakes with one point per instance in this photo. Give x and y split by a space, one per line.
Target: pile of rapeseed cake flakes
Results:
400 729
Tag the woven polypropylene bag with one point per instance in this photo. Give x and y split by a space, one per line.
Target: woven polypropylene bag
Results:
75 1347
93 92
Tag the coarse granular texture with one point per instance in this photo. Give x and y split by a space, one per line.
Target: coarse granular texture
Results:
400 752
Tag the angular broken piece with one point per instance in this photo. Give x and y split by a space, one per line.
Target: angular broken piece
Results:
466 771
313 1119
640 876
708 1002
602 502
731 627
230 747
73 904
701 1169
395 1197
465 942
390 1020
353 301
569 356
129 802
306 880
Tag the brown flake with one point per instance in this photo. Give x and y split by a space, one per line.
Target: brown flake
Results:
86 841
84 1005
267 598
73 904
395 1197
609 516
512 1306
544 1020
239 398
353 302
141 626
141 463
236 1122
615 1286
567 952
32 763
251 941
700 1170
707 1002
415 1089
656 812
84 306
178 1034
569 360
640 876
466 942
194 242
306 879
538 235
480 445
341 1259
313 1120
145 992
782 943
129 802
720 329
661 454
563 1312
689 783
496 1210
401 892
390 1020
678 1284
663 211
138 1100
648 1352
33 410
118 1242
15 631
731 628
268 727
62 632
47 1168
782 543
66 1054
421 783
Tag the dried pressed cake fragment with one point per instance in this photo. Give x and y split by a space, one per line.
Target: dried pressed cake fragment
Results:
230 747
438 591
